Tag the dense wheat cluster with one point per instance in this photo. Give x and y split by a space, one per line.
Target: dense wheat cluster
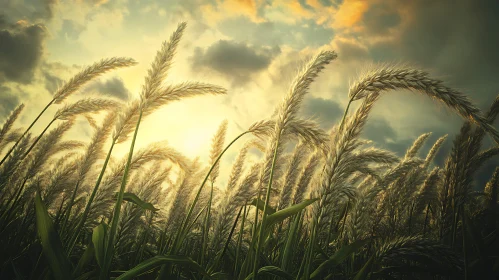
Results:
319 205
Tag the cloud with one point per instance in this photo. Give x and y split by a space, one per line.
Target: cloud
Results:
350 49
326 111
32 10
21 50
270 33
380 18
8 101
71 29
379 131
350 13
52 82
235 60
113 86
93 2
215 12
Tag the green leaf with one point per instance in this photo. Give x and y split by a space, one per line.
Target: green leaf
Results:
338 257
130 197
275 271
261 205
85 259
290 244
285 213
272 270
159 261
51 243
220 276
364 271
99 241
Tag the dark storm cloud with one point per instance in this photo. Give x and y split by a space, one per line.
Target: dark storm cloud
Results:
379 130
235 60
326 111
43 9
349 50
21 50
380 18
456 39
113 86
33 10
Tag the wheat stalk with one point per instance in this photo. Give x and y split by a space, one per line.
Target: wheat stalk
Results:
424 249
392 77
89 73
492 188
291 176
433 151
305 177
418 143
216 149
162 63
9 122
85 106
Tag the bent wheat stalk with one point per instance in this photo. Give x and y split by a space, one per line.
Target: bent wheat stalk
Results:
392 77
90 105
76 83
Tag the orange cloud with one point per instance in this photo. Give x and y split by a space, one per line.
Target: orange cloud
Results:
94 2
299 10
228 8
314 4
350 13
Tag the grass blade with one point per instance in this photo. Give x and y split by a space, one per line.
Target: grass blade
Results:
283 214
99 242
159 261
338 257
130 197
51 243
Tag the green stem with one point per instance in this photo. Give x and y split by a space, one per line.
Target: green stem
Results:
465 255
181 232
38 139
81 223
264 216
25 132
14 200
191 208
204 241
226 245
240 240
308 261
68 210
21 188
116 216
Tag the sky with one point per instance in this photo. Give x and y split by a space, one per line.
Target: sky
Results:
253 48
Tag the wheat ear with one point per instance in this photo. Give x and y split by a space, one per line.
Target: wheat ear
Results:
391 77
9 122
89 73
418 143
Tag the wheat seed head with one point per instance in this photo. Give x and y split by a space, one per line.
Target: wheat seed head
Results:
89 73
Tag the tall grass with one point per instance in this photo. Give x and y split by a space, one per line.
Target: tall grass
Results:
316 205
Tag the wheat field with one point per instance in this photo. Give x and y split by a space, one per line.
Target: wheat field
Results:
318 205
